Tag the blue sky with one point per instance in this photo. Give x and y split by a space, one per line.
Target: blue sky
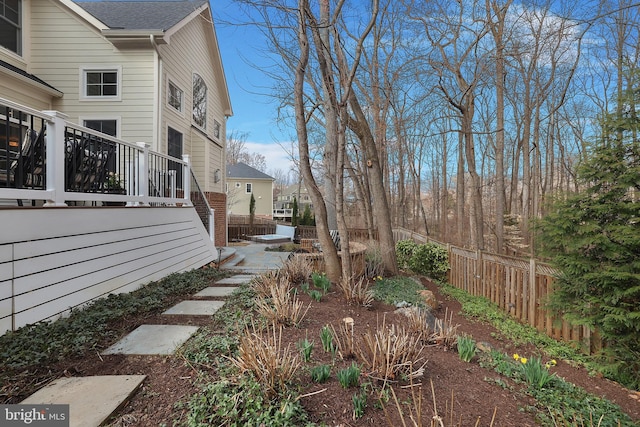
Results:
242 47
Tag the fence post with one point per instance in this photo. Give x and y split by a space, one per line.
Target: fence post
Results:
212 228
55 146
186 182
533 297
143 174
479 279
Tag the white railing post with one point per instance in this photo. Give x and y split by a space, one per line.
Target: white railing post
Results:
143 173
212 227
186 180
55 145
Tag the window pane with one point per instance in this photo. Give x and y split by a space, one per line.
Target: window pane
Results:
110 78
10 9
105 126
94 90
10 23
174 149
175 97
110 90
94 78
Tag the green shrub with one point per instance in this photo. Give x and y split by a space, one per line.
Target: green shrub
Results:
404 252
431 260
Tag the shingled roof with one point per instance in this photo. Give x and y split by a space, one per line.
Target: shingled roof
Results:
140 15
242 170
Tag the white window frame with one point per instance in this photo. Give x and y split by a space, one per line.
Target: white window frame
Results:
169 97
100 68
216 129
248 187
118 120
205 101
18 27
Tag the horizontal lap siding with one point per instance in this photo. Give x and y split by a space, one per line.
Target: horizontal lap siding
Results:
63 258
6 287
62 44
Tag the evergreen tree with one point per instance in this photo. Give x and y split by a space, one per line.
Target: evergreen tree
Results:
307 217
252 212
593 239
294 214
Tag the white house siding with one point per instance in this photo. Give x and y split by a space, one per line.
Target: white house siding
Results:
61 44
23 93
55 259
216 157
187 53
198 156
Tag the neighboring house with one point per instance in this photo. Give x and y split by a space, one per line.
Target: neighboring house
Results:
242 182
283 204
147 71
284 200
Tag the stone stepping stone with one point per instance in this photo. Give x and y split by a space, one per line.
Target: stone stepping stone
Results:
238 279
216 291
195 308
91 400
153 339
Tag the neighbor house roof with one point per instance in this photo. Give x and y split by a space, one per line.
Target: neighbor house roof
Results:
244 171
141 15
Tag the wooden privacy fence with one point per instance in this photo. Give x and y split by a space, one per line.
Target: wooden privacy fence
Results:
519 287
242 231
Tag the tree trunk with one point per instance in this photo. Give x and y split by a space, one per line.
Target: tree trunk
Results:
332 262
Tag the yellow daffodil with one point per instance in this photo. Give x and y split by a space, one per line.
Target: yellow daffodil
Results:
553 362
523 360
516 356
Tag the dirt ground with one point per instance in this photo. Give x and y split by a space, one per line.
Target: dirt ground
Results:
462 390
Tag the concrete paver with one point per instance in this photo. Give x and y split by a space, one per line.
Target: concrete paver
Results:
91 400
256 259
238 279
153 339
216 291
195 308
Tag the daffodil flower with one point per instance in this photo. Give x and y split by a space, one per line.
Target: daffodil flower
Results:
523 360
516 356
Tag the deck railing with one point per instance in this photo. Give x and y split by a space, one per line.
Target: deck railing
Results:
53 162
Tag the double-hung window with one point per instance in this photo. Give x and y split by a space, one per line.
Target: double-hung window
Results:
11 25
249 187
175 96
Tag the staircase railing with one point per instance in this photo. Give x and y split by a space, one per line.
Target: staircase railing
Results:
199 201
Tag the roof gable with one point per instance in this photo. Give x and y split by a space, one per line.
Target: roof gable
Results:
141 15
244 171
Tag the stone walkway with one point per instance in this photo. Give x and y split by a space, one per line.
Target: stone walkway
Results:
86 410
